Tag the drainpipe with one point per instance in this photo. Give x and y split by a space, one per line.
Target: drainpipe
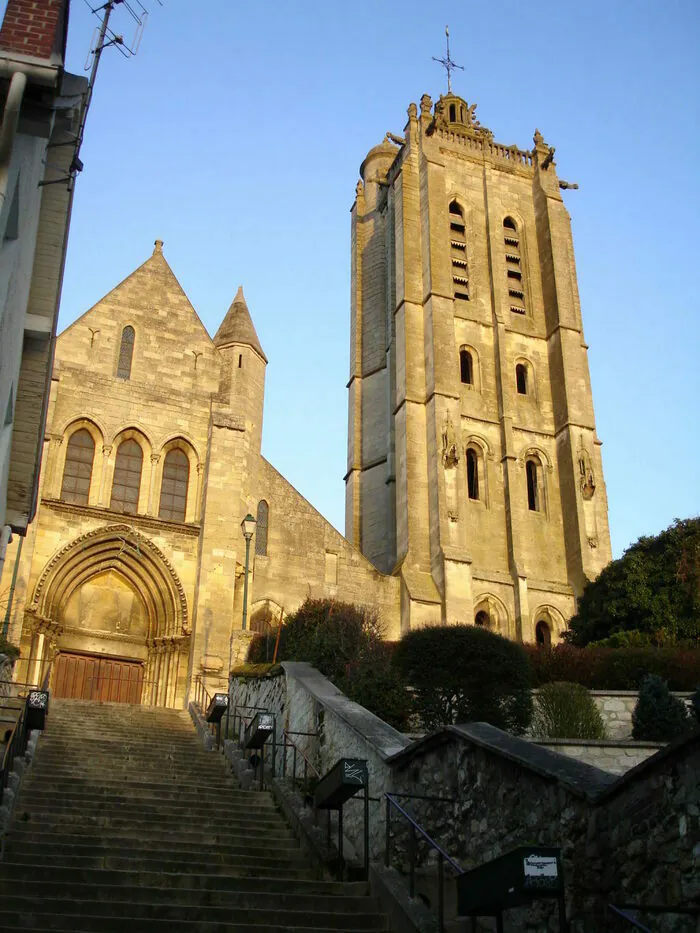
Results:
10 595
8 129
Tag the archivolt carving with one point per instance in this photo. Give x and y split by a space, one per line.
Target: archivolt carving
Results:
125 550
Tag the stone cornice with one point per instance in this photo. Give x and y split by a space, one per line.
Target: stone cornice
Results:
107 515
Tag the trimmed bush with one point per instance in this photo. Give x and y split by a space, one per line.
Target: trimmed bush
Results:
614 668
658 715
461 673
344 643
11 651
566 711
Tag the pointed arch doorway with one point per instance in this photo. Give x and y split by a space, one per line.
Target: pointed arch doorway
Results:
109 621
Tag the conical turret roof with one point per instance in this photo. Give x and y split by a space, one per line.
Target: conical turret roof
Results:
237 326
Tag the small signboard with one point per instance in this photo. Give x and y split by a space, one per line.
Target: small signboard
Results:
37 708
217 707
519 877
346 777
257 733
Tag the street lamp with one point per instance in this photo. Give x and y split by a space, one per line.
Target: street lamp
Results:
248 529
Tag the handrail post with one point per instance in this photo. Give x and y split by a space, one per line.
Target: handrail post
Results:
366 828
441 892
412 864
387 841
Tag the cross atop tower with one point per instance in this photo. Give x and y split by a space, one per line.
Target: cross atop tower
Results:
447 62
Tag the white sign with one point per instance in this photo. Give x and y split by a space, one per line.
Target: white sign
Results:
540 866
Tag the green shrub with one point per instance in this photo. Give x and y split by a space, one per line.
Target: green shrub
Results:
659 716
462 673
344 643
566 711
614 668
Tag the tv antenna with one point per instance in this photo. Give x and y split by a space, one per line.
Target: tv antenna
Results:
103 38
447 62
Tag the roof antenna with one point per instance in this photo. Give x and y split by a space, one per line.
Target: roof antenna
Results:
103 38
447 62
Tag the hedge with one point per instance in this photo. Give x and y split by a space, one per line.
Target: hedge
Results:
462 673
614 668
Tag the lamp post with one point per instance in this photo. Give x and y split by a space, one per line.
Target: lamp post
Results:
248 528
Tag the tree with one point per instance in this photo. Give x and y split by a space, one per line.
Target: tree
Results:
652 592
566 711
658 716
463 673
344 642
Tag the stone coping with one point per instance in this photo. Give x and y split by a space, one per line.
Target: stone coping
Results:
386 740
601 743
582 779
631 693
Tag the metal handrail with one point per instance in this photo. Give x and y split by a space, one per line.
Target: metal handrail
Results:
16 745
442 856
288 742
626 916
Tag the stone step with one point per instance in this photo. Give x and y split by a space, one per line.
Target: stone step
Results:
223 782
59 909
200 881
130 793
142 808
270 835
289 898
238 867
78 822
124 846
39 923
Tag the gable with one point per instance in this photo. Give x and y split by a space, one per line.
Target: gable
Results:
172 349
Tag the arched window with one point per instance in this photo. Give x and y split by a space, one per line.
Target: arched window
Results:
453 114
514 268
458 252
521 378
173 488
126 353
77 472
543 634
482 619
261 528
534 492
472 473
127 477
466 367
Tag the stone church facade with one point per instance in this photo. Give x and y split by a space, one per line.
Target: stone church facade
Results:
474 468
131 577
474 489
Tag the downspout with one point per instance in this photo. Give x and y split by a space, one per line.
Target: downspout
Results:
8 129
5 538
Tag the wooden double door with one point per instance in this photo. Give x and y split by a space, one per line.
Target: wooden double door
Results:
95 677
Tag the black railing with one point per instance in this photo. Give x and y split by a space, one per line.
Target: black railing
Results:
15 745
623 911
417 832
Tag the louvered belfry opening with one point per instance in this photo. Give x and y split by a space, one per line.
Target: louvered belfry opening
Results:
458 252
514 267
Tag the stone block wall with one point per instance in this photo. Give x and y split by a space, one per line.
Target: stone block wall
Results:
616 708
616 757
624 840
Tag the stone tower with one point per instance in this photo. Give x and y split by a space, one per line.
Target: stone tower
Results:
474 467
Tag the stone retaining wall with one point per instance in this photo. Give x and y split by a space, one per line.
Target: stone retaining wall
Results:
616 708
616 757
498 791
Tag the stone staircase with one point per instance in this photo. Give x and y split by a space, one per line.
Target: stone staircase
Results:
125 823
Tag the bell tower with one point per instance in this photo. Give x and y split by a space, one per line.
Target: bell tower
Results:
474 467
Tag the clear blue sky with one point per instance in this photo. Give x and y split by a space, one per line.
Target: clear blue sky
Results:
236 135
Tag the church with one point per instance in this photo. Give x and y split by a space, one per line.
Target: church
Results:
474 486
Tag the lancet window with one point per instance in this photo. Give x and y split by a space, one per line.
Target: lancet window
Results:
173 487
514 266
458 252
126 353
127 477
77 471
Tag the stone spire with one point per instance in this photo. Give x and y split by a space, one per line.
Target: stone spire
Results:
237 326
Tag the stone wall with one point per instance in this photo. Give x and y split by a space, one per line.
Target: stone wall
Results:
628 840
616 708
616 757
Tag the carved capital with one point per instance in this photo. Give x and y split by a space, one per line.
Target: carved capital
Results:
106 450
155 458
